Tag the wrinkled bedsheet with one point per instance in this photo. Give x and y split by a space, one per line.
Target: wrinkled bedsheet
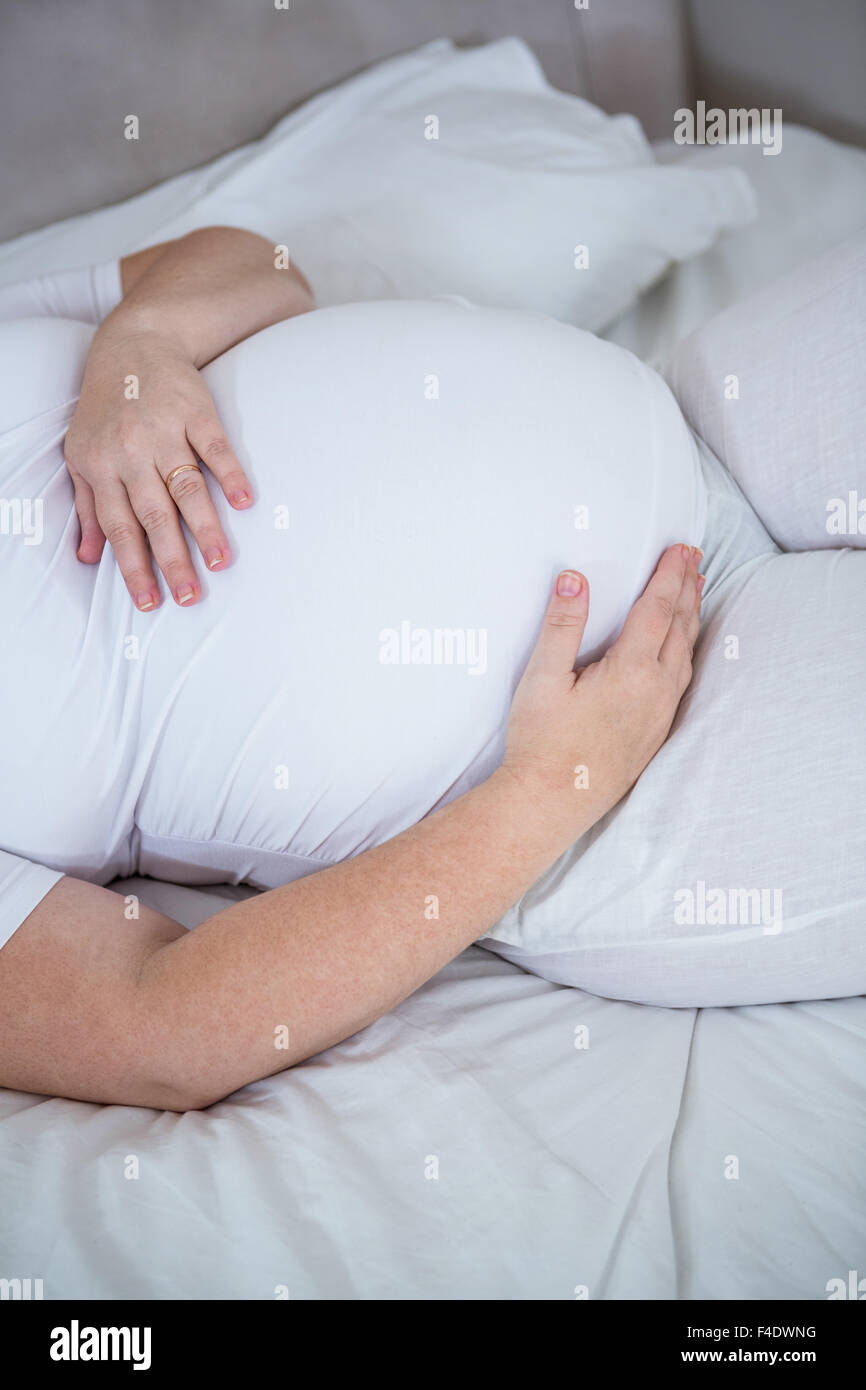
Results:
495 1137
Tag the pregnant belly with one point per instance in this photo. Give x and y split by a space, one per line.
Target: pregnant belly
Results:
422 470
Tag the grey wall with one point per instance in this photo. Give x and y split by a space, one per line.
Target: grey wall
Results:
206 75
806 56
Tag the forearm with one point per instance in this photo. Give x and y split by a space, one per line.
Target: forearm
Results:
154 1015
326 955
206 291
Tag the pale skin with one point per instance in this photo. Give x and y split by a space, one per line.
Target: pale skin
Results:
184 303
99 1008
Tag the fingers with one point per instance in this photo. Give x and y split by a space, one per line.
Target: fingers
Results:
676 650
651 617
158 515
564 623
208 439
92 542
695 624
121 529
188 491
142 518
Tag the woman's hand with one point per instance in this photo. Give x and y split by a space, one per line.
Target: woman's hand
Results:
577 741
143 412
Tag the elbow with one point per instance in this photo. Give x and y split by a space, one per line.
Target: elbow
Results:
156 1091
188 1085
183 1061
182 1087
189 1089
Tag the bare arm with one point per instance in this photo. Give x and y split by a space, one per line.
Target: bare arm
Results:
162 1017
145 411
143 1013
207 291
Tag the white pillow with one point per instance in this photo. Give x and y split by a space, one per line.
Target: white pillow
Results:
517 176
793 354
494 208
760 790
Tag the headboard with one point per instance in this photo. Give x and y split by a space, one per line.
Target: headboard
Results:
204 76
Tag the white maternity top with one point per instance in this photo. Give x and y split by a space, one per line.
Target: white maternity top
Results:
422 470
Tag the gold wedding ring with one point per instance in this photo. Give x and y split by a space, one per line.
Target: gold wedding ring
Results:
181 469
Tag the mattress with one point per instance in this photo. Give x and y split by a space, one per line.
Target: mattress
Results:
496 1136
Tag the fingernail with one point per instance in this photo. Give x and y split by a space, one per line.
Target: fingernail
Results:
702 579
184 593
213 558
698 555
239 499
569 584
686 552
144 602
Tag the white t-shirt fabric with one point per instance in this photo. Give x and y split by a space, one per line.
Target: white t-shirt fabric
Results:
422 470
88 294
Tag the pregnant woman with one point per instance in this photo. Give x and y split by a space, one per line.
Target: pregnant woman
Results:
320 705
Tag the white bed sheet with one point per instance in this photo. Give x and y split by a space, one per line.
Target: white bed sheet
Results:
560 1169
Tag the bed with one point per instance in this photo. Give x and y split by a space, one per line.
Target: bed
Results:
496 1136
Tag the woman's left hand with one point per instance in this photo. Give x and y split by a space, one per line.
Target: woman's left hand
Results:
144 413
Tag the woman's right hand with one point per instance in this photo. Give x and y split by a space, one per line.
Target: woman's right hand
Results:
577 741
